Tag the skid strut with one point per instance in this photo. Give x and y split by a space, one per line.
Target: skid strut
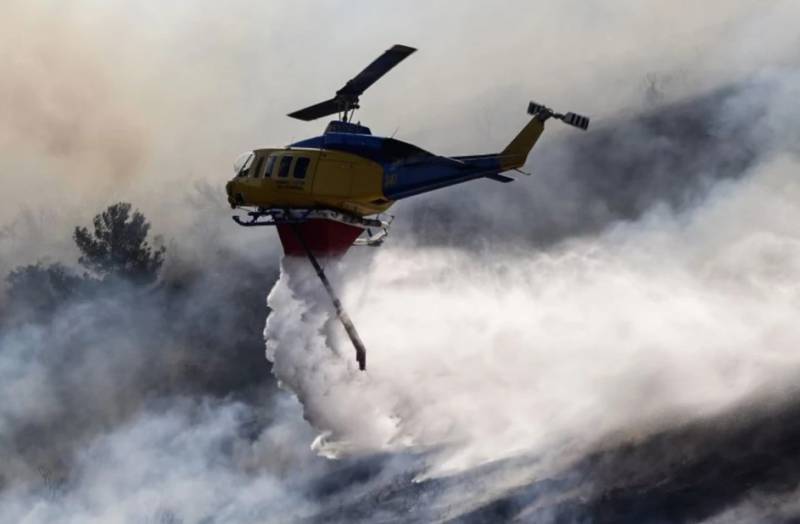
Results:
344 318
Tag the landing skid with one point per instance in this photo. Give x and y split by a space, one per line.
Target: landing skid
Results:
274 217
372 239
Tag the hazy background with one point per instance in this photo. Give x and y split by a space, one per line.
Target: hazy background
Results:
577 345
105 100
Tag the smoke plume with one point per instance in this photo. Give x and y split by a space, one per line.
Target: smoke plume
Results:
610 339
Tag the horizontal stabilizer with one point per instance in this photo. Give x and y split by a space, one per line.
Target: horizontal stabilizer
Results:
500 178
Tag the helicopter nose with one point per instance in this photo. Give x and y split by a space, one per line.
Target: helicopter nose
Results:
229 191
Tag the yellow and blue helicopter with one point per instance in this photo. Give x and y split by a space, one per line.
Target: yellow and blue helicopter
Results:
327 193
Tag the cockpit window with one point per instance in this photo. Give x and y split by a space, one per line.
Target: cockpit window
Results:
301 166
270 165
286 162
243 163
257 168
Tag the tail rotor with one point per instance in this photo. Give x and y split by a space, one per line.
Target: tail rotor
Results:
573 119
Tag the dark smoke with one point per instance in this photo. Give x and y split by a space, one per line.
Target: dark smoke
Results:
686 474
668 156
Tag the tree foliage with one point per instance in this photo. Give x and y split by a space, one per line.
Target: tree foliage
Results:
118 247
40 289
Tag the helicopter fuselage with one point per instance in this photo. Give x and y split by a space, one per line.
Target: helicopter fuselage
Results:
350 170
307 178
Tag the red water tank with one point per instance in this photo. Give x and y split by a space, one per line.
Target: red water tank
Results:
323 237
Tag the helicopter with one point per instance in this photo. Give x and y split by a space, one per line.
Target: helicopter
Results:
327 193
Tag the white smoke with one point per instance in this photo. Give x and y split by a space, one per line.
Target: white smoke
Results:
185 462
481 354
496 354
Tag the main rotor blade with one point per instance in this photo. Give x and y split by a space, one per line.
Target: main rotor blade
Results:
328 107
347 97
379 67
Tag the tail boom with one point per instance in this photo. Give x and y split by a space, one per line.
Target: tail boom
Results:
516 153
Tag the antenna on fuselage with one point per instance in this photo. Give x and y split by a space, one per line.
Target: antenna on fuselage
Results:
345 102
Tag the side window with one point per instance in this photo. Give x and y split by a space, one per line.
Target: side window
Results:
286 162
301 166
270 165
258 166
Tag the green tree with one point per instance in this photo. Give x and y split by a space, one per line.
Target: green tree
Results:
118 246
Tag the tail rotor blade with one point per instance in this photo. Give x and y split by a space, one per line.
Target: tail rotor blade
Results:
579 121
573 119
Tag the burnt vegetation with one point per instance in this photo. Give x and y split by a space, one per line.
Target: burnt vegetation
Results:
119 334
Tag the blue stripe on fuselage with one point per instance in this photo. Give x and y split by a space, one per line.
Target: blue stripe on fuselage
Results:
407 179
384 151
407 169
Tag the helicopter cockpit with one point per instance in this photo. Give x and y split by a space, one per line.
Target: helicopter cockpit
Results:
243 163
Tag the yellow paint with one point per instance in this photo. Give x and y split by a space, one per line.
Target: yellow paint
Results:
334 180
515 154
